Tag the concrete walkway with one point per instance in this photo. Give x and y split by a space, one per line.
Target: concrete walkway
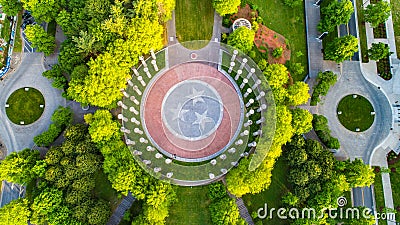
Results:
119 212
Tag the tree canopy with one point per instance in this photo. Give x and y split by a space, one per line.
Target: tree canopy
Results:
336 13
341 48
242 39
377 13
40 39
224 7
11 7
379 51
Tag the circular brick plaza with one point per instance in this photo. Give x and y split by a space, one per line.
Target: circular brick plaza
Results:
192 112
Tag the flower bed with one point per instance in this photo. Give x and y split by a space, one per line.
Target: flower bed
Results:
383 68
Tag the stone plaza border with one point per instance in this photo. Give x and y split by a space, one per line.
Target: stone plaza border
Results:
230 62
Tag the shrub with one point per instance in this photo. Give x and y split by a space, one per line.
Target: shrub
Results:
320 124
61 118
325 81
277 52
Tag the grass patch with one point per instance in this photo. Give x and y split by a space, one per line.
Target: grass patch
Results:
356 113
51 28
395 5
104 190
395 181
379 198
191 207
194 20
362 31
273 195
18 39
289 22
25 106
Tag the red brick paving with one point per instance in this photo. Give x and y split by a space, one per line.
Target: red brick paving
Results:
184 148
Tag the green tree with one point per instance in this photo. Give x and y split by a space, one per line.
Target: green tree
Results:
242 39
224 7
377 13
102 127
301 120
11 7
336 13
379 51
293 3
42 10
40 39
62 117
358 174
224 211
165 8
341 48
16 212
57 75
18 166
277 75
298 93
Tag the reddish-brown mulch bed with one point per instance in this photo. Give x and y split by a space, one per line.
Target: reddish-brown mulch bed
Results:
245 12
267 38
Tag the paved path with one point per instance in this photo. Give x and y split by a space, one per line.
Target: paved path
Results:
315 57
244 213
28 74
119 212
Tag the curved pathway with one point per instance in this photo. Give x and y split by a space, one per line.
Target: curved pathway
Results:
28 74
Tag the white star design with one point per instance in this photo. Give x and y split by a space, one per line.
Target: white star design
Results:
178 113
202 119
196 96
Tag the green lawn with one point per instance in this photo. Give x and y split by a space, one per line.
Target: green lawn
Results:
191 207
290 22
272 196
51 28
356 113
379 199
395 181
395 4
25 106
362 31
18 40
194 20
104 190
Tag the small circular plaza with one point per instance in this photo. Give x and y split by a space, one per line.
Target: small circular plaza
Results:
25 106
355 113
190 119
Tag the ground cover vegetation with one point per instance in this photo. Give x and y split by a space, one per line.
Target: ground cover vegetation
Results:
287 21
24 105
355 113
61 118
395 7
194 20
320 125
362 31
